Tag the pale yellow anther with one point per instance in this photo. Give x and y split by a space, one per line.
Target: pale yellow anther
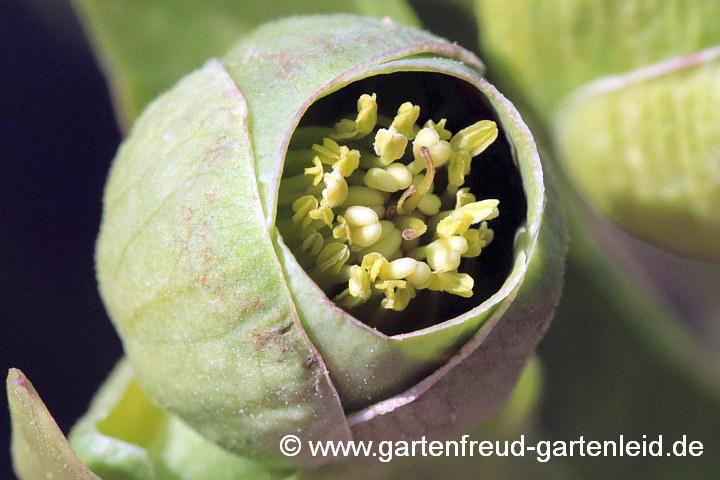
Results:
358 216
463 197
329 152
429 204
439 127
302 207
390 145
348 162
342 230
478 238
406 117
398 294
366 235
376 265
364 196
312 244
442 255
323 212
452 282
460 220
317 171
359 283
440 150
475 138
401 174
363 123
380 179
459 167
332 257
340 157
410 227
336 188
421 276
387 243
401 268
390 179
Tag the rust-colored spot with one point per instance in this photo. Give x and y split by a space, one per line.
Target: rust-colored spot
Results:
271 338
310 361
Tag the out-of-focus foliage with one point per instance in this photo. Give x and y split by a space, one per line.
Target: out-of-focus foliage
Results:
147 45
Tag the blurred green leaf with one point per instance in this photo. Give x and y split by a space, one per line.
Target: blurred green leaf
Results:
644 149
39 448
147 45
552 47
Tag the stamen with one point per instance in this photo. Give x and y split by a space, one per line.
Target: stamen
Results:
411 227
463 197
440 150
323 212
439 128
387 243
458 168
413 200
332 257
429 204
394 177
456 283
398 294
461 218
302 206
444 254
312 244
364 196
475 138
336 189
317 171
363 124
390 145
386 206
405 119
376 265
360 225
478 238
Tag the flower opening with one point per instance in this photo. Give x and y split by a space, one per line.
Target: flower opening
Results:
380 211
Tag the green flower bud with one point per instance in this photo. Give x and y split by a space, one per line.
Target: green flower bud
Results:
251 308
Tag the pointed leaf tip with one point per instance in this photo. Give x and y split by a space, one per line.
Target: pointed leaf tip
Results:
39 448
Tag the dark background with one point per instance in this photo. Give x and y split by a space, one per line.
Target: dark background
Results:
57 138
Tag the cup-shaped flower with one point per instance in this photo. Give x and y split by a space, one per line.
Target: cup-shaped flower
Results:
338 230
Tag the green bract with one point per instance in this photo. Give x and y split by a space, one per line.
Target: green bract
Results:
628 90
225 331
